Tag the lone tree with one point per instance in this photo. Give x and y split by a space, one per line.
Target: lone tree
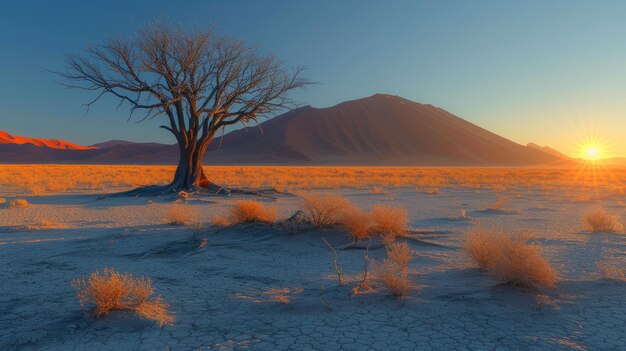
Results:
201 82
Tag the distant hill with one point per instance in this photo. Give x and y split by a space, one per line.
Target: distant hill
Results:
377 130
6 138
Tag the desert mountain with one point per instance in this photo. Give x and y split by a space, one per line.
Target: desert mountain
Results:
380 130
6 138
376 130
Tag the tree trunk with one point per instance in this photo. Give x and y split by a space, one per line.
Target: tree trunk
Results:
189 174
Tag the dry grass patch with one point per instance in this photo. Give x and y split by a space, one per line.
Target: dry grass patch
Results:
389 221
45 223
356 222
112 291
248 211
393 273
510 259
598 220
179 214
498 205
323 212
19 203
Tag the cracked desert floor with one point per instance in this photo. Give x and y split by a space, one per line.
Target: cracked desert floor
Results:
261 287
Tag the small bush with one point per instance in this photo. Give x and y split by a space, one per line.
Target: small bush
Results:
44 223
431 191
598 220
510 259
498 205
389 221
17 203
356 222
392 278
179 214
2 201
112 291
401 254
220 221
247 211
323 212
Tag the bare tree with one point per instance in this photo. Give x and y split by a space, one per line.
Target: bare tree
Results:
199 81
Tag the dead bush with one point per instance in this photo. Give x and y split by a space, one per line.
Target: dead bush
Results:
356 222
112 291
323 212
401 254
179 214
389 275
510 259
18 203
248 211
598 220
389 221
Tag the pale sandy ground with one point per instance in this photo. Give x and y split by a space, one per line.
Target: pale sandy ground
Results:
218 292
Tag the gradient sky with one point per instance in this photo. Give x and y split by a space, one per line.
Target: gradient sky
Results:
551 72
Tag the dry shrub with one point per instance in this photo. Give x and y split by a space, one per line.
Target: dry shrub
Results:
498 205
378 190
389 221
179 214
323 212
392 273
598 220
220 221
395 281
401 254
2 201
431 191
356 222
510 259
248 211
45 223
112 291
17 203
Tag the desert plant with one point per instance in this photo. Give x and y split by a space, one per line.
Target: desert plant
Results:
510 259
498 205
356 222
401 254
220 221
392 278
323 212
247 211
112 291
179 214
598 220
336 267
389 221
17 203
44 223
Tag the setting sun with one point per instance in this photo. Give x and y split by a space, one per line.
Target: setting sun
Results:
592 153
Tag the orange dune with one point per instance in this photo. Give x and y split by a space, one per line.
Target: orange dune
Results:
6 138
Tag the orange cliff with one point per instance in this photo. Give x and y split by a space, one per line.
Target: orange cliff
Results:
6 138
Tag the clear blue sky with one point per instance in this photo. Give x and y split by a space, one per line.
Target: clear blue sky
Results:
552 72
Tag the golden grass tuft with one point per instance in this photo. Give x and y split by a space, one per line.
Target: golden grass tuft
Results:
389 221
401 254
249 211
19 203
323 212
510 259
44 223
498 205
598 220
220 221
356 222
112 291
395 281
179 214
